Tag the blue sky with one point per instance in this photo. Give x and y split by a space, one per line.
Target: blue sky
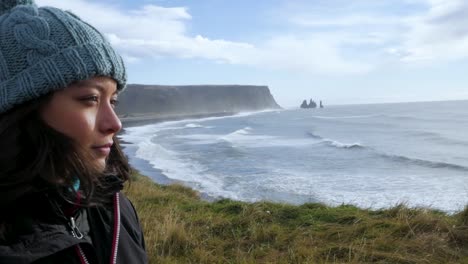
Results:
338 51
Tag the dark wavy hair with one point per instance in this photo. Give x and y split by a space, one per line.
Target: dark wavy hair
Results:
35 158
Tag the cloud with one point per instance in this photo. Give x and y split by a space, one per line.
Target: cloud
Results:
441 34
143 30
340 39
427 32
316 53
153 31
343 21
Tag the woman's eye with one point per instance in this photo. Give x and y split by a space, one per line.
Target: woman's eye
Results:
90 99
114 102
93 99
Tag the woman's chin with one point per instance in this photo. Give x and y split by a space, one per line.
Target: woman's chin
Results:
101 164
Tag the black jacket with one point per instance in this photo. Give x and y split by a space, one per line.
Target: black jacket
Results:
44 235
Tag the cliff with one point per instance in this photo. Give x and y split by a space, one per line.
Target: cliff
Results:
137 100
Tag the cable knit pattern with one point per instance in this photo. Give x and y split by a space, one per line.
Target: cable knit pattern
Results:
6 5
32 32
45 49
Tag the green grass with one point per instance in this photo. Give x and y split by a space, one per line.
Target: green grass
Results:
179 227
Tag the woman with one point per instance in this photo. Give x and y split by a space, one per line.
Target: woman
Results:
61 167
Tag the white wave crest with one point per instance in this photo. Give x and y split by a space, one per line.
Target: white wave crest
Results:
346 117
191 125
343 145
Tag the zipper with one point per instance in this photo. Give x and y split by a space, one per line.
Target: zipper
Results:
116 236
81 254
76 233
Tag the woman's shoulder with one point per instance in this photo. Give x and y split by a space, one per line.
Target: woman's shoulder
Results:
129 215
126 204
132 233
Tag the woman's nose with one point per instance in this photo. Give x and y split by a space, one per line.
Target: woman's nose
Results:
109 122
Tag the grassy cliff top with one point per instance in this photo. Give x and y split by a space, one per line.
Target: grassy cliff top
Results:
181 228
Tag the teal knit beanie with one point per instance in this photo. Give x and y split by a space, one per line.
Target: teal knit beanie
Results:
45 49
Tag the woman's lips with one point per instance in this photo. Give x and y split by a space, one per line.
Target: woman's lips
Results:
103 150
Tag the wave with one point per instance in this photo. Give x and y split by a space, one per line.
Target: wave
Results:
424 163
390 116
401 117
433 136
422 119
426 134
343 145
312 135
395 158
243 131
182 169
334 143
244 137
191 125
181 124
347 117
240 132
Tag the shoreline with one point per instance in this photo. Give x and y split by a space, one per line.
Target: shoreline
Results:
153 118
145 167
157 175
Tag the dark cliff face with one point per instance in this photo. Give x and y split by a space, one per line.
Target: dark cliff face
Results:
194 99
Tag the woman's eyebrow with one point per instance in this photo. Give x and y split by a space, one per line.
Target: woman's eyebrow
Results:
98 86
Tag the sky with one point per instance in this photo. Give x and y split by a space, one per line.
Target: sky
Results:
337 51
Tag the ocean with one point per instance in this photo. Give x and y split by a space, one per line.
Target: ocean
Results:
372 156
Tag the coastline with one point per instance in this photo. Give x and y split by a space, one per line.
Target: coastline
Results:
175 165
153 118
156 175
143 166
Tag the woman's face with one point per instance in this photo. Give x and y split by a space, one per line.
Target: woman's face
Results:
84 111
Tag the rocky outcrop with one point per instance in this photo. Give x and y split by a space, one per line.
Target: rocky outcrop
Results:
193 99
312 104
